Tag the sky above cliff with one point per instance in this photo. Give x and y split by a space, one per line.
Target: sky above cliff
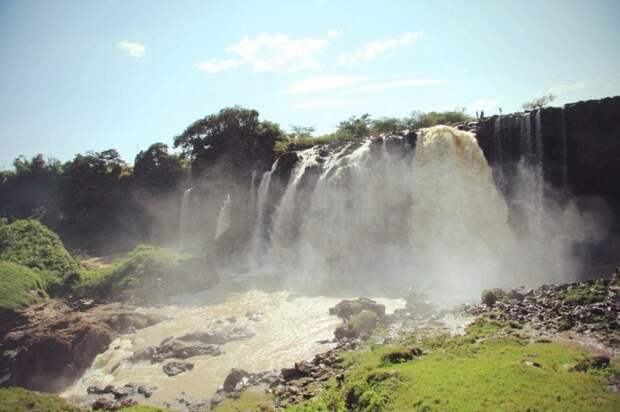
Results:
78 76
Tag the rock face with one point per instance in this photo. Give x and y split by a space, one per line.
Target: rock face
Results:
579 148
57 345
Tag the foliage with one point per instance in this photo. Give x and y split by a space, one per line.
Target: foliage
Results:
301 132
29 243
391 125
23 400
146 271
157 170
487 369
420 119
249 401
586 294
354 127
363 322
21 286
235 137
539 102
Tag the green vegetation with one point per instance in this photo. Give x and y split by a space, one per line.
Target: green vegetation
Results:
147 270
23 400
586 294
249 401
21 286
363 322
492 367
31 244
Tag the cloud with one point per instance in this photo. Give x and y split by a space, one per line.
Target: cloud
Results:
372 50
487 105
381 86
267 52
214 66
314 104
332 34
322 83
571 87
133 49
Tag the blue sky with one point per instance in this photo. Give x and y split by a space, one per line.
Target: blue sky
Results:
93 75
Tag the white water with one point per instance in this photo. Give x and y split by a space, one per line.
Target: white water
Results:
185 219
224 219
289 332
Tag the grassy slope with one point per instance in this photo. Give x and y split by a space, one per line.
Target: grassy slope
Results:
484 370
249 401
31 244
20 286
23 400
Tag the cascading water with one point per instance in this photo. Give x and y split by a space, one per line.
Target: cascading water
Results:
185 219
224 219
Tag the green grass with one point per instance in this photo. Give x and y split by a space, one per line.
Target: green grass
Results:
586 294
249 401
21 286
29 243
146 268
483 370
23 400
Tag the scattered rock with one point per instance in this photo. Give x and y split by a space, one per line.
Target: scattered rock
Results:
175 368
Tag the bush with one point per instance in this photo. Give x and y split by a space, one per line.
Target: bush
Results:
21 286
147 272
31 244
364 322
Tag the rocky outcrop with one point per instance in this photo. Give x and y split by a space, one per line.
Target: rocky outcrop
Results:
590 308
579 148
192 344
56 345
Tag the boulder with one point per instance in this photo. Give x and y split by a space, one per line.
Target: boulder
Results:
234 377
347 309
174 368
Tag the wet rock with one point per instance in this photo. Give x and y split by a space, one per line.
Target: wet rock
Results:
175 348
595 362
219 337
347 309
57 344
175 368
235 376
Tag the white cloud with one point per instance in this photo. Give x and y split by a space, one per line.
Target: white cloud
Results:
376 48
314 104
381 86
214 66
571 87
267 52
133 49
332 34
322 83
487 105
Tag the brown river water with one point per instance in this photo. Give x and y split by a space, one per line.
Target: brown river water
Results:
291 329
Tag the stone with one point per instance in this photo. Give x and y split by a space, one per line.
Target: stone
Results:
595 362
175 368
235 376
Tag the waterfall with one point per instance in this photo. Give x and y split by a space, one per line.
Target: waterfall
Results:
497 126
185 219
564 151
224 219
257 243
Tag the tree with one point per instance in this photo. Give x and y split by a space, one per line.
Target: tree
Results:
234 136
539 102
420 119
157 170
301 132
355 127
387 125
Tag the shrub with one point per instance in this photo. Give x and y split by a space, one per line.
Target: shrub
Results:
21 286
